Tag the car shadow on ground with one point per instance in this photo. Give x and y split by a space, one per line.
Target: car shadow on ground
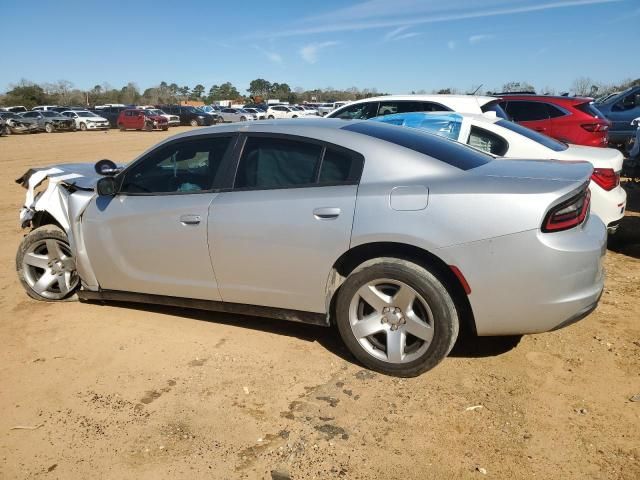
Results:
627 239
467 346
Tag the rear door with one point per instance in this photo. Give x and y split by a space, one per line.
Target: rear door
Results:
276 234
533 115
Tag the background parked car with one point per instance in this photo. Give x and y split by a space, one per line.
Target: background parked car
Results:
17 109
14 123
135 119
49 121
172 120
620 110
390 104
282 111
260 114
86 120
236 115
189 115
568 119
44 108
506 139
111 113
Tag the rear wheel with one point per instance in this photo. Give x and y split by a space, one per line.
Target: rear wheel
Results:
46 268
243 119
193 123
6 130
271 117
83 126
48 128
396 317
121 127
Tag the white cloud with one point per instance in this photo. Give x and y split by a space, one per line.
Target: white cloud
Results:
405 13
393 33
474 39
273 57
451 44
407 35
309 53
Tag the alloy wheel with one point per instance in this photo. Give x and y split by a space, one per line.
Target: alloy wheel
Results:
391 321
49 269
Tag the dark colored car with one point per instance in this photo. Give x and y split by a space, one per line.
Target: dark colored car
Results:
50 121
14 123
568 119
136 119
110 113
190 115
620 109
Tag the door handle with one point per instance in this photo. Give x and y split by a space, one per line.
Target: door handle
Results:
541 129
190 219
326 213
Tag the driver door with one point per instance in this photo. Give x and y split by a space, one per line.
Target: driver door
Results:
151 237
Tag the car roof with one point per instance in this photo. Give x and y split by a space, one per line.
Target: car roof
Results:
549 98
477 100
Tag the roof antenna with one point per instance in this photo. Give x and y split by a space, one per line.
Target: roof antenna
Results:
479 87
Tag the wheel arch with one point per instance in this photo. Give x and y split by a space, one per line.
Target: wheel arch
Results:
42 217
357 256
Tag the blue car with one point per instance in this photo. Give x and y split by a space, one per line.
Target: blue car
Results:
620 110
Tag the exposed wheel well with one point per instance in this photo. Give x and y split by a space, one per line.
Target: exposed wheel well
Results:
351 259
44 218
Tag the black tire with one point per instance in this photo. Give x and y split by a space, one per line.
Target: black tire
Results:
271 117
35 237
444 316
294 116
193 123
121 127
6 130
49 128
243 119
83 126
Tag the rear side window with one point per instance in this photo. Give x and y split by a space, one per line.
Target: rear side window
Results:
277 163
447 151
487 141
268 162
590 109
497 108
389 108
359 111
522 111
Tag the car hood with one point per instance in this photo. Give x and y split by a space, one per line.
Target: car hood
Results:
79 175
598 157
95 119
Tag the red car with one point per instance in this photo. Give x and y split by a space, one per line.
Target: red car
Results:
568 119
136 119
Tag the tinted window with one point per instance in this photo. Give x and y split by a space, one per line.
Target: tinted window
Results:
340 167
184 167
388 108
533 135
359 111
497 108
590 109
277 163
555 112
628 103
49 113
447 151
521 111
31 115
487 141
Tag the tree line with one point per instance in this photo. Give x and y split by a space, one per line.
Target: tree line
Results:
63 92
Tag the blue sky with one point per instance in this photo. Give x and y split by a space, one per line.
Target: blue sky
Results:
393 45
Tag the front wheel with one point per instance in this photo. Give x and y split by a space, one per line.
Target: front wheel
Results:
396 317
121 127
48 128
193 123
45 265
271 117
83 126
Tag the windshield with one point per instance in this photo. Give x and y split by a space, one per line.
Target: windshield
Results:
84 113
50 114
548 142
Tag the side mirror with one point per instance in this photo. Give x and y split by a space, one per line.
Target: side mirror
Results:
106 167
107 187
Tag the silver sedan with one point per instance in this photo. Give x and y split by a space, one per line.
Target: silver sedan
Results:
400 238
236 115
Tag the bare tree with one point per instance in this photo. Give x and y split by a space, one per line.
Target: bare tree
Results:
583 86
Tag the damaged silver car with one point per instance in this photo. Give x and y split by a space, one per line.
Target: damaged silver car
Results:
399 238
50 121
13 123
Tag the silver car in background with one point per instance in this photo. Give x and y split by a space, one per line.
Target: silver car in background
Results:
236 115
400 238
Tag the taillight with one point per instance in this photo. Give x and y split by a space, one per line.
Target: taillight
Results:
595 127
606 178
568 214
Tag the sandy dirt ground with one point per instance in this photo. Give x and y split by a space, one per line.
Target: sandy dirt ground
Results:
137 392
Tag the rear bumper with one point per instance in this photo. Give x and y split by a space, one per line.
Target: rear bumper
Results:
609 206
532 282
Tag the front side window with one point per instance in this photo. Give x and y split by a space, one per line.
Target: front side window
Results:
487 141
628 103
31 115
359 111
189 166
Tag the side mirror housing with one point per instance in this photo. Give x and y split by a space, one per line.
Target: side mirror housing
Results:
106 186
